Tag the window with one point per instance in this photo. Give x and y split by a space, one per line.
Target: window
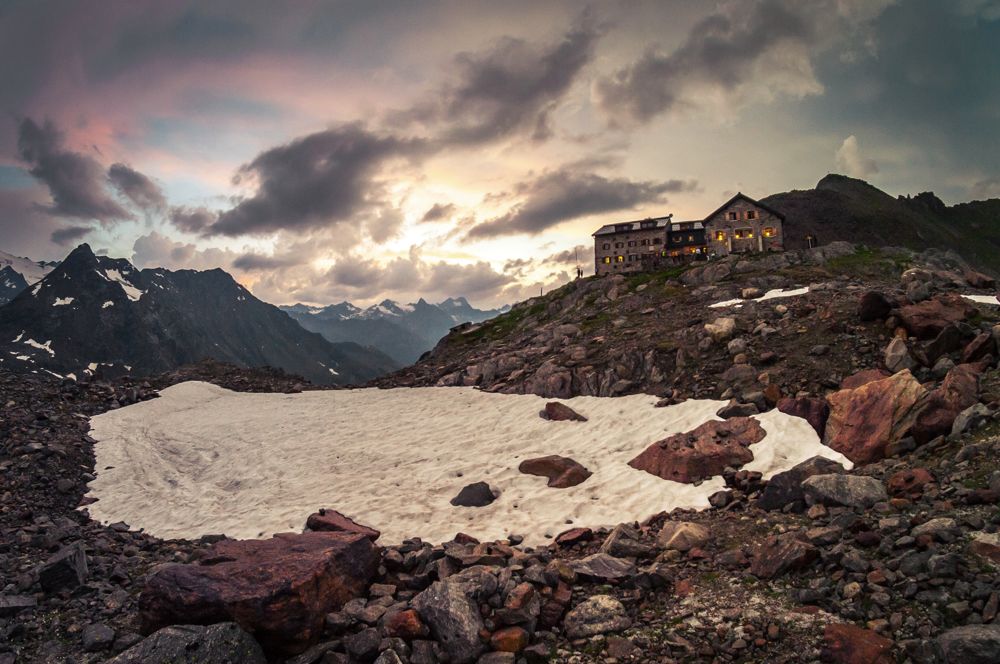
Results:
623 228
657 240
633 258
606 260
720 236
690 238
619 245
606 245
768 231
631 243
645 242
663 253
751 214
743 233
733 216
648 224
619 259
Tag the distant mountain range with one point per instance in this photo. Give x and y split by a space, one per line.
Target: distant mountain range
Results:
94 314
18 273
402 331
843 208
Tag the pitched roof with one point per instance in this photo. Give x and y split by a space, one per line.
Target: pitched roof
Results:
611 229
741 195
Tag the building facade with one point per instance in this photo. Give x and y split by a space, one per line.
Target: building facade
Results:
741 225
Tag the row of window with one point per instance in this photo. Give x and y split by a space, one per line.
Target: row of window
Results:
744 233
633 243
632 258
748 214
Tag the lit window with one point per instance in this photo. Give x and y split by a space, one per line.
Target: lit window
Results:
619 259
743 233
720 236
607 260
768 231
663 253
690 238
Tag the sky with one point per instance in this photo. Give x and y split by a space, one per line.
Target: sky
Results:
361 150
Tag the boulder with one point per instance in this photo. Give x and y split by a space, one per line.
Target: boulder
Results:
862 378
874 306
703 452
948 340
958 391
980 347
813 410
926 319
856 491
561 471
477 494
451 609
865 420
849 644
599 614
721 329
332 521
897 356
682 535
603 567
624 542
66 570
278 589
509 639
574 536
736 409
786 487
971 644
777 555
909 482
978 279
221 643
970 418
560 412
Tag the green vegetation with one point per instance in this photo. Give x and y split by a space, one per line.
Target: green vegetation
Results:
868 261
656 278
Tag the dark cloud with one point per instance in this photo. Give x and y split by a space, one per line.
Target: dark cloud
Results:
517 265
721 53
314 181
137 187
510 89
250 262
988 188
573 255
438 212
69 235
76 182
192 219
562 195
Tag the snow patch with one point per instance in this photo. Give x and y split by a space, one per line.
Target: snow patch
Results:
131 291
984 299
107 304
202 459
769 295
60 301
45 346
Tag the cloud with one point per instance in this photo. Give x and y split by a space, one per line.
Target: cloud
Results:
438 212
192 219
69 235
564 194
850 160
745 49
252 261
157 250
317 180
573 255
137 188
987 188
76 182
508 90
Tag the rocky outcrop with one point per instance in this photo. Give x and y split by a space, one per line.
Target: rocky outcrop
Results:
562 472
958 391
278 589
702 452
221 643
865 420
814 410
451 610
855 491
326 520
785 489
927 319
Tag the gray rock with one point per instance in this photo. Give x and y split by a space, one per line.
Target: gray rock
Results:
623 542
970 418
971 644
11 605
477 494
599 614
939 528
736 409
848 490
97 637
363 646
786 487
603 567
66 570
497 658
451 610
388 657
897 356
222 643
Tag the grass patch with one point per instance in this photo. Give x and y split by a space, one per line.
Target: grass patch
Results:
869 261
656 278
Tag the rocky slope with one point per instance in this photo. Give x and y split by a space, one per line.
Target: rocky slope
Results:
894 561
17 273
94 313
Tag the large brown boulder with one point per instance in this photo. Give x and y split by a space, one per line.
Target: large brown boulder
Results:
874 306
332 521
844 643
978 279
560 412
779 554
958 391
562 472
278 589
702 452
863 377
814 410
926 319
866 419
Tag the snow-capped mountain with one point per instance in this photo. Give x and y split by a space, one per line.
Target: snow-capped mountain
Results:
17 273
402 331
94 313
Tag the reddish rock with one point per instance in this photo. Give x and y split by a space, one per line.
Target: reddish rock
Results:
780 554
909 482
560 412
334 522
277 589
863 378
406 625
866 419
874 306
958 391
703 452
509 639
813 410
574 536
849 644
562 472
772 394
978 279
926 319
979 347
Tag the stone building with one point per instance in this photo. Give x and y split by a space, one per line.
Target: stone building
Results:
626 247
742 225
